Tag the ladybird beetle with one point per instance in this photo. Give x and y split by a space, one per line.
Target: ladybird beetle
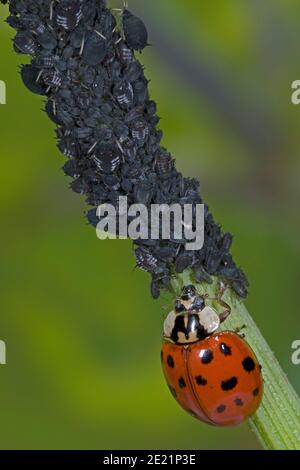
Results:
213 376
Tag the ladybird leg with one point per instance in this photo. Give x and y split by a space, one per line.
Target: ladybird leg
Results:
227 309
222 288
226 312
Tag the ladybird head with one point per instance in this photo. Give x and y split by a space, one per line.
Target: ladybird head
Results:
188 292
189 300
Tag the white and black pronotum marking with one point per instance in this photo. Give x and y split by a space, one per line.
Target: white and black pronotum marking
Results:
192 320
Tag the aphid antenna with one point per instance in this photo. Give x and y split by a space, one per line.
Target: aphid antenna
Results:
39 76
120 146
92 147
82 46
118 41
178 250
101 35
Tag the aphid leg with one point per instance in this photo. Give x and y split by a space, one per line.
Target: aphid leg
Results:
39 76
82 46
222 289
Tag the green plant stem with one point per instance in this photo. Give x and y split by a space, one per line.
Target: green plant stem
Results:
277 421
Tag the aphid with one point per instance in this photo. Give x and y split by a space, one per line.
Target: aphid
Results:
30 75
139 130
70 168
107 158
123 93
46 61
68 14
66 94
129 149
92 217
47 40
213 376
151 107
115 71
166 253
182 262
79 186
125 54
64 116
13 22
113 183
155 289
134 114
143 192
164 163
133 71
94 50
140 90
67 52
147 262
52 78
51 111
77 38
68 146
106 24
25 43
38 28
88 75
83 132
200 274
240 286
135 31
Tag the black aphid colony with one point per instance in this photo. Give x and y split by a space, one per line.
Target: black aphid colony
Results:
83 62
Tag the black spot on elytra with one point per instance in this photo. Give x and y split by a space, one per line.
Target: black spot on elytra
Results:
229 384
255 392
200 380
161 356
221 408
181 382
173 391
238 402
248 364
206 356
226 350
170 361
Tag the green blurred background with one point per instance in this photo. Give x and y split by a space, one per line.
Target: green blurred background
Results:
82 333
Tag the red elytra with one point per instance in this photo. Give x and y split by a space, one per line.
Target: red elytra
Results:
217 380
